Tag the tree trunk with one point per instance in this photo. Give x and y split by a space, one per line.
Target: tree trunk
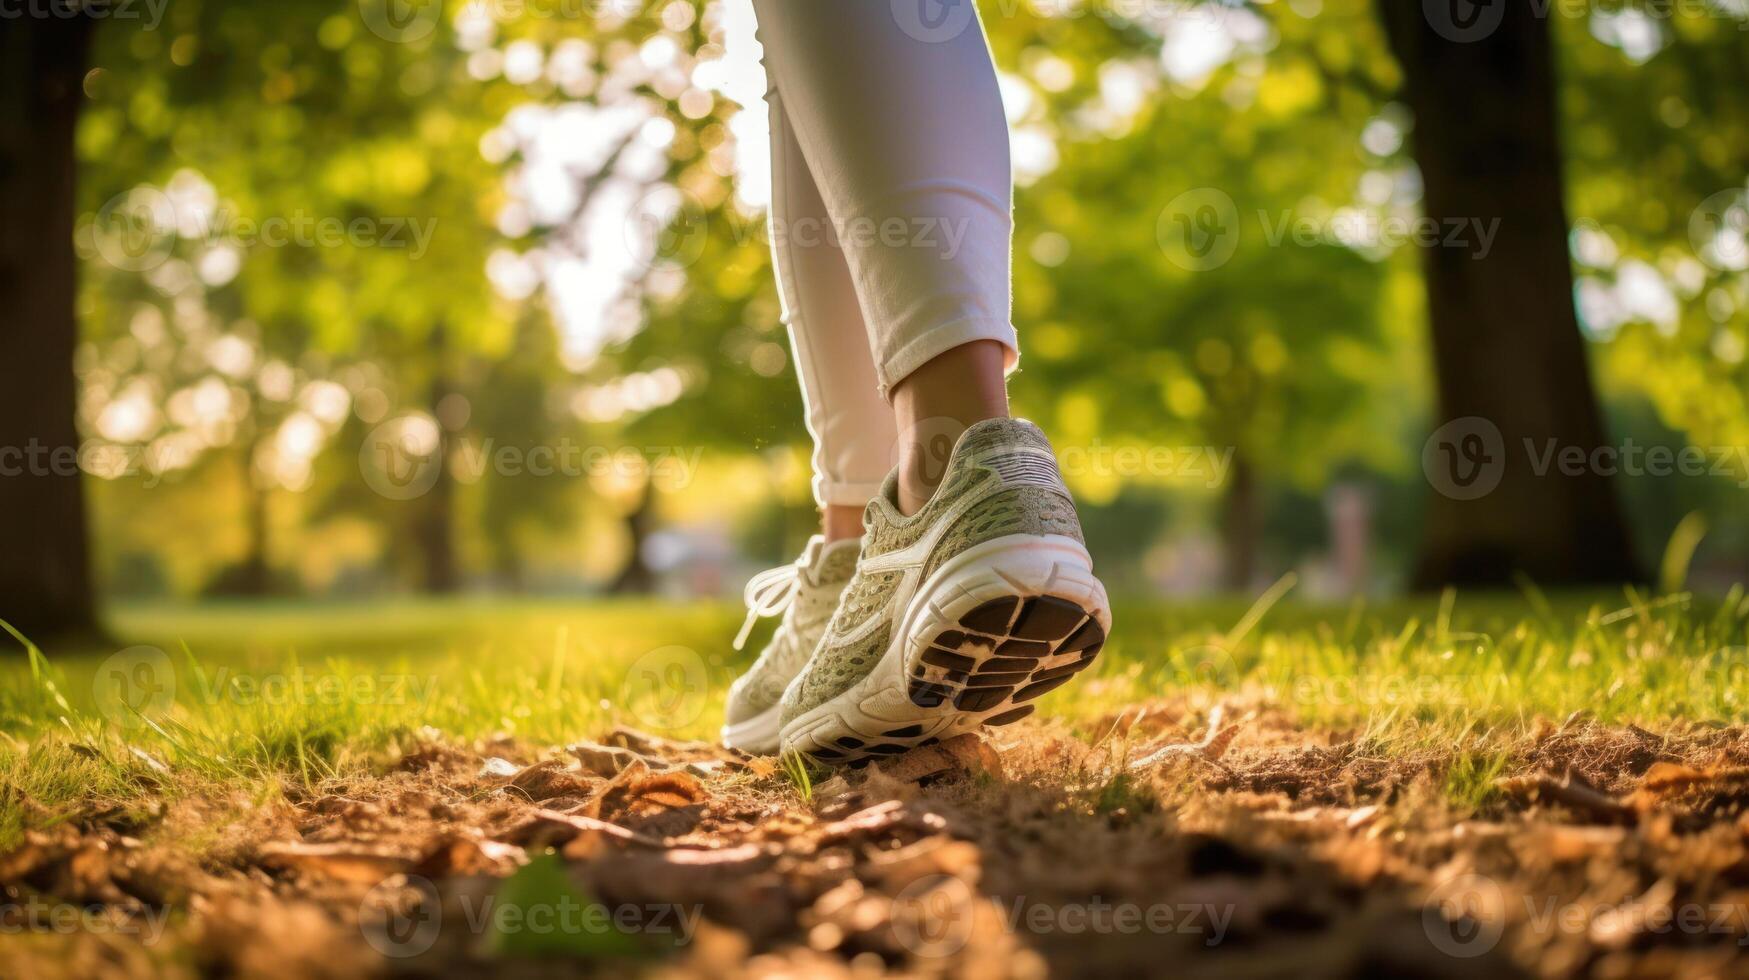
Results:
1512 374
433 524
45 574
1241 527
254 577
635 576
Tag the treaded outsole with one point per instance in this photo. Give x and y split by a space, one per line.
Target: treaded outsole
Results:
985 669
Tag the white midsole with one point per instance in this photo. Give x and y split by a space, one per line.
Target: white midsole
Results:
757 735
1023 565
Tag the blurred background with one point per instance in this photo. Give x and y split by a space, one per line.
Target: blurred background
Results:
347 299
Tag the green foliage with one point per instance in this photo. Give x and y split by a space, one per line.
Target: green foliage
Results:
540 912
593 273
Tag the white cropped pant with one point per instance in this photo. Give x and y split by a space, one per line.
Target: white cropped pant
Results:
890 210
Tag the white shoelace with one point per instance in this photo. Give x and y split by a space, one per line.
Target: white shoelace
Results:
768 594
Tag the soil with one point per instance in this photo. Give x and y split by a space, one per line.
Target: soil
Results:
1174 841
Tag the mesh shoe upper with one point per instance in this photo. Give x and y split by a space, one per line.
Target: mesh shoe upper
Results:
1001 479
819 578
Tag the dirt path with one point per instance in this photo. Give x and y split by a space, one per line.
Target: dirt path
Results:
1175 842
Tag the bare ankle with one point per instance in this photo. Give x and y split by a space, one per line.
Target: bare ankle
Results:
839 522
937 402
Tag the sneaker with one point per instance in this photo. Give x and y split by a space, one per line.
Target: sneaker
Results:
960 615
805 593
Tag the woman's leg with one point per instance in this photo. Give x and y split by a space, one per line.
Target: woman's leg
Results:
974 593
850 422
901 125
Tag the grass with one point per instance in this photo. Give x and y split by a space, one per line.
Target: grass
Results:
251 699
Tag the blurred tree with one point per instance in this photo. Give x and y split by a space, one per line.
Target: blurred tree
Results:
342 206
1658 139
45 577
1506 340
1195 282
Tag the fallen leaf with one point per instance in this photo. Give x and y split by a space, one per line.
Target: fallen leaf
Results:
1213 746
962 753
1569 790
606 761
342 861
462 854
549 779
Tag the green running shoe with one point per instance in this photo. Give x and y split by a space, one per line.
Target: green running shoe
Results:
806 594
958 616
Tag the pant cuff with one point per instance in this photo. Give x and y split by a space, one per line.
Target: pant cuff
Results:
938 340
845 494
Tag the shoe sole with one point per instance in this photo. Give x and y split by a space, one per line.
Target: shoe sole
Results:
989 633
757 735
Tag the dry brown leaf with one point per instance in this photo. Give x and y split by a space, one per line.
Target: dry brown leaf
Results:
554 827
466 854
549 779
1213 746
606 761
341 861
969 752
1568 790
1564 843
